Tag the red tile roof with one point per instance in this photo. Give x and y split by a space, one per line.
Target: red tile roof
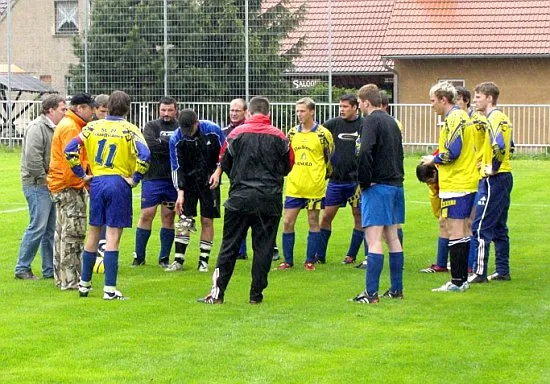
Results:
468 28
358 29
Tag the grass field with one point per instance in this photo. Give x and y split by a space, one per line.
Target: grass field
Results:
305 331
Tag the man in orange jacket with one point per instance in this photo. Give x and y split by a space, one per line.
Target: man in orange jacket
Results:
69 193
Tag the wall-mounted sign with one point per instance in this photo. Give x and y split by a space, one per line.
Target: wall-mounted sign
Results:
303 84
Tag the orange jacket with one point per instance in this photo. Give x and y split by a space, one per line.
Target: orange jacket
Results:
60 175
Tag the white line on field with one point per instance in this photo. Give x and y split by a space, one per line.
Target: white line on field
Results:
512 204
14 210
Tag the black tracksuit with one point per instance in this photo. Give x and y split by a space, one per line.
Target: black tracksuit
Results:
257 157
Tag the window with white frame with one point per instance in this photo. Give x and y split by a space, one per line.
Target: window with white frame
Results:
454 82
66 17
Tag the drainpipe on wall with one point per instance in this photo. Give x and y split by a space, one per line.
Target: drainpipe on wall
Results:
395 79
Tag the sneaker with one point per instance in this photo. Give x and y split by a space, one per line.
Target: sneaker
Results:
116 295
164 263
362 265
393 294
284 266
25 275
255 301
136 262
175 266
474 278
203 264
434 268
497 277
276 255
348 260
364 298
450 287
318 260
84 291
209 299
309 266
242 256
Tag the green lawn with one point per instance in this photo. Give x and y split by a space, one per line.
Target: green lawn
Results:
305 331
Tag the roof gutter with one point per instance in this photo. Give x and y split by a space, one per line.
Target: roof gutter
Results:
466 56
395 79
335 73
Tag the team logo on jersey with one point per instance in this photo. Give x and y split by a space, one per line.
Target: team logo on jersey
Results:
166 133
348 136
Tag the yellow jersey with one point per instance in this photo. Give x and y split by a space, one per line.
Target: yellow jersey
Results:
498 146
114 147
456 157
312 153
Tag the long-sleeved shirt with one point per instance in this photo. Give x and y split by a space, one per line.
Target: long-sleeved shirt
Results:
380 158
36 151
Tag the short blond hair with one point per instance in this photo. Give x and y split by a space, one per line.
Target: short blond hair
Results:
308 102
444 89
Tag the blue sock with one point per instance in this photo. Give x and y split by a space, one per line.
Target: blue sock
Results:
375 263
356 239
442 252
400 235
473 252
110 263
396 271
312 246
142 237
288 247
242 250
88 262
366 246
166 240
324 236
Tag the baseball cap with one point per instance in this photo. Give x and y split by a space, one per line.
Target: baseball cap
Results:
83 98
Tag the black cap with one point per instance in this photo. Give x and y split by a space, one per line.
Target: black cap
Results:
83 98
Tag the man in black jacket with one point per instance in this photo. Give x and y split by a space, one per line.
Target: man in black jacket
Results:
157 187
257 156
380 176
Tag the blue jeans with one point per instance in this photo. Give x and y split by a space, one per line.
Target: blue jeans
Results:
40 231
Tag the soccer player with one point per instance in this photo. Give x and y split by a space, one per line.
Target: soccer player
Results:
194 153
428 174
70 194
342 186
119 158
157 187
257 157
457 180
380 176
101 112
35 162
490 222
313 147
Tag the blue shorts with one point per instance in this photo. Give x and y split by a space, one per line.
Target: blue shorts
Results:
339 194
457 207
300 202
110 202
155 192
382 205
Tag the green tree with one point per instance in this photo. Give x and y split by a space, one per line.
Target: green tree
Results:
206 60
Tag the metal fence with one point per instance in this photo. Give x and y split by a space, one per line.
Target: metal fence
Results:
421 126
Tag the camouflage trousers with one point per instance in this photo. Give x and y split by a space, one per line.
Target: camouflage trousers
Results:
70 231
